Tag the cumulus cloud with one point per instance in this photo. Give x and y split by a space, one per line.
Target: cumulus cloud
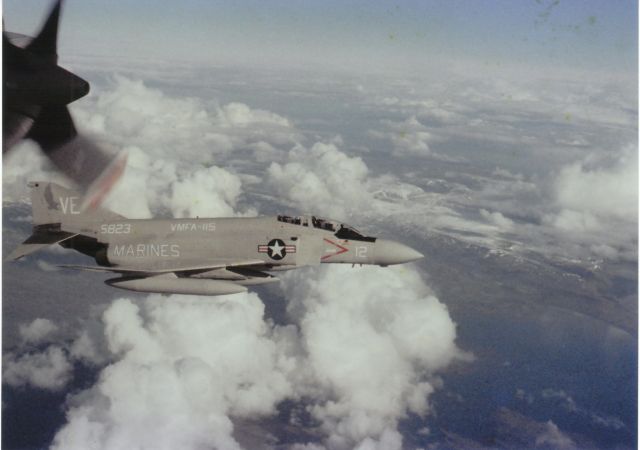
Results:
179 371
184 370
182 367
563 399
165 188
554 438
85 349
321 179
134 196
389 440
523 395
175 147
595 204
325 180
585 211
24 163
590 195
365 346
211 192
374 340
49 369
409 137
429 109
134 114
497 218
172 144
38 331
239 114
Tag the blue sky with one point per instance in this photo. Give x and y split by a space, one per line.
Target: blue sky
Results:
356 34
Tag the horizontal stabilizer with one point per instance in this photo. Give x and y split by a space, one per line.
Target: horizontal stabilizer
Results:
24 250
37 241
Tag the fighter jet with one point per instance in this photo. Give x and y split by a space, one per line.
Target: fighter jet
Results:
36 93
197 256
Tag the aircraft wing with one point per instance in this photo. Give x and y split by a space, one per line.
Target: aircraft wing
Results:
182 267
36 95
37 241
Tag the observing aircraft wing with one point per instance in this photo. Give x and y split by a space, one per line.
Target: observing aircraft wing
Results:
36 93
91 166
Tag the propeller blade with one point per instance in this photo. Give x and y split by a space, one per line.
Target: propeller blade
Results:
53 127
46 42
93 167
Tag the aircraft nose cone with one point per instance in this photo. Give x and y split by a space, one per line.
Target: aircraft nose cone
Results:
391 252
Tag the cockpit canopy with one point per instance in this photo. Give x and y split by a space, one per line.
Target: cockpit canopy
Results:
340 230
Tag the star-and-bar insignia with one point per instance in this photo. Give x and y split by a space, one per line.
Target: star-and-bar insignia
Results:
276 249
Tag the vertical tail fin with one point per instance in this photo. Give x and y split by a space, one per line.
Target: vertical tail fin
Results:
57 216
52 203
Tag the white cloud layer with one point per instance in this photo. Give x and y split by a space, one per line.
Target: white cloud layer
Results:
590 196
49 369
409 137
211 192
24 163
365 345
497 218
39 330
173 144
364 352
181 367
552 437
177 128
190 156
374 339
321 179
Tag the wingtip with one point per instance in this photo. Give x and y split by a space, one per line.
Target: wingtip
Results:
12 257
21 251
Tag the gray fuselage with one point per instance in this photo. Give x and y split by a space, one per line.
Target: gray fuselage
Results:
153 243
197 256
